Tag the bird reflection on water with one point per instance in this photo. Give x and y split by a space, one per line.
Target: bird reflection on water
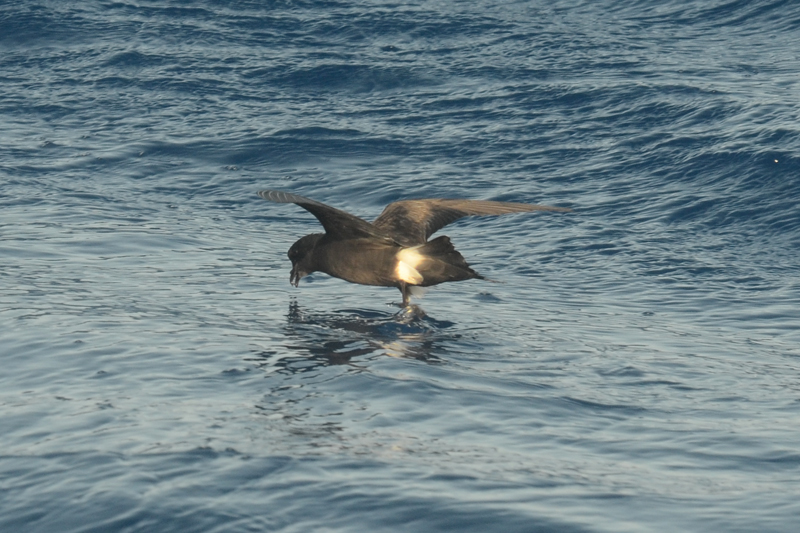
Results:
321 339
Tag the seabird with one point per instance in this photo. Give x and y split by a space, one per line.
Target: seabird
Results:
394 250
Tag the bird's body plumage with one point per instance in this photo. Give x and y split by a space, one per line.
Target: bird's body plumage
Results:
392 251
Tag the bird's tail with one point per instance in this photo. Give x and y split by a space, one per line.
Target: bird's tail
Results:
443 262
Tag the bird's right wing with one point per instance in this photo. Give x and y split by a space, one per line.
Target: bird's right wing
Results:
337 223
413 221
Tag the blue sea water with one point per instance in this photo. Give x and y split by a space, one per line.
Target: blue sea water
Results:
636 368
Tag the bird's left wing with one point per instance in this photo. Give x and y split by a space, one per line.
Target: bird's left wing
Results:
337 223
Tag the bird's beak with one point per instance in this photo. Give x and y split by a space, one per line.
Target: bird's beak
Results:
294 277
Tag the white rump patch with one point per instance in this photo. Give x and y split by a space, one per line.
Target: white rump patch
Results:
408 274
407 262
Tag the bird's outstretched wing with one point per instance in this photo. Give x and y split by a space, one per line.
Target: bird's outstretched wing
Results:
411 222
337 223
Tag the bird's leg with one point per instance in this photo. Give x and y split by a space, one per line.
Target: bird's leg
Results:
404 291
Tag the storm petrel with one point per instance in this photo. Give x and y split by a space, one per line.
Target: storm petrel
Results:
394 250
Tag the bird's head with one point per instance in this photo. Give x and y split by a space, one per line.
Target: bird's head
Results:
301 254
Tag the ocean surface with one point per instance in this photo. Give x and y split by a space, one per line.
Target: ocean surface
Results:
636 367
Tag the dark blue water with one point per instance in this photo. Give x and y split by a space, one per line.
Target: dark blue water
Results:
637 368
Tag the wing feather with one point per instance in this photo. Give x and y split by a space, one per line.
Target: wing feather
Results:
337 223
414 221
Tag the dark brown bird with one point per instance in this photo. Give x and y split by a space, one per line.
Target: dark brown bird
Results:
392 251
